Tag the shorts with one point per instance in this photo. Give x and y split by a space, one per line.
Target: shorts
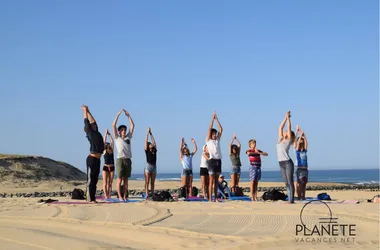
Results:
187 172
302 175
214 166
254 173
109 169
150 168
204 172
123 167
235 170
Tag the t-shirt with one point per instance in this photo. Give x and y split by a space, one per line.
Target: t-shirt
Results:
254 158
151 156
203 162
301 158
235 160
283 150
214 149
123 147
187 161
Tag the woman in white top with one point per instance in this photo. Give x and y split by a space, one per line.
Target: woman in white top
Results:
285 140
204 172
215 162
187 165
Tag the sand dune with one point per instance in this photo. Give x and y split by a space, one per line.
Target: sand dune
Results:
25 224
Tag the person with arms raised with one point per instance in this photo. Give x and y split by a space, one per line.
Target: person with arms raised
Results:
96 149
124 154
187 165
109 168
285 140
151 159
302 171
214 164
235 161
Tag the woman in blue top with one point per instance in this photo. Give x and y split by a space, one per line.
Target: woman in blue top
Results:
187 164
302 172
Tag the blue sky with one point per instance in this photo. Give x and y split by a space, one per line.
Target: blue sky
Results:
171 63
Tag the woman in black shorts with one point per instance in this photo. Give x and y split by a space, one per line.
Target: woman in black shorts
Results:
204 172
109 167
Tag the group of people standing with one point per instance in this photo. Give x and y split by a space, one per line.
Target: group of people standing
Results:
211 159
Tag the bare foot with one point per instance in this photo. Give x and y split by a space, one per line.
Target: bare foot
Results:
121 199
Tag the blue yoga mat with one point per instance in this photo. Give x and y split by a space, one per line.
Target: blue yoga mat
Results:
199 199
307 199
239 198
116 200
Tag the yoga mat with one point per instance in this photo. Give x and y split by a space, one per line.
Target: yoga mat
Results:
116 200
239 198
199 199
75 202
307 199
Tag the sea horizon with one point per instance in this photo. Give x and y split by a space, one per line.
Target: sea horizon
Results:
345 176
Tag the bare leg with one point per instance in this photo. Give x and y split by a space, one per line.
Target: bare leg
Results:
255 184
237 179
191 185
188 187
252 193
118 187
210 187
147 179
153 179
105 180
233 180
111 175
125 188
216 177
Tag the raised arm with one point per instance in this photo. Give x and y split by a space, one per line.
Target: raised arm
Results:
111 139
90 117
87 127
238 144
195 146
289 132
296 141
281 128
146 140
153 140
210 128
115 122
305 140
231 142
131 123
105 137
220 127
180 148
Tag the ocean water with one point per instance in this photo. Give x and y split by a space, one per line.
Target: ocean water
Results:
362 176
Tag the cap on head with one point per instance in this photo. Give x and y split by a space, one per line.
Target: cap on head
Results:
204 148
221 176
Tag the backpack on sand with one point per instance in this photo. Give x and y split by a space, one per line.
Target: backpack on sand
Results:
194 191
162 196
182 192
238 191
323 197
78 194
274 195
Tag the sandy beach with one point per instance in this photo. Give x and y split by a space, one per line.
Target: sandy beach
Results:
26 224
